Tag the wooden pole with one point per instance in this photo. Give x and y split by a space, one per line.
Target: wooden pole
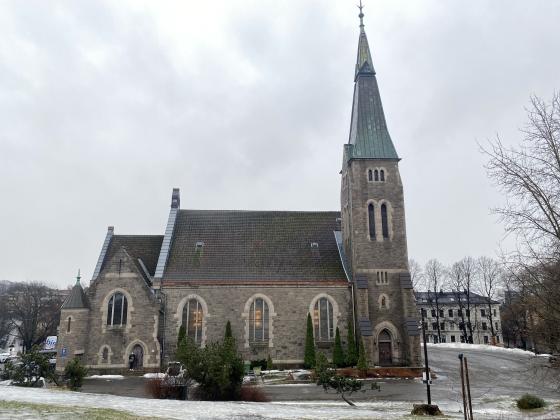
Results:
463 387
468 387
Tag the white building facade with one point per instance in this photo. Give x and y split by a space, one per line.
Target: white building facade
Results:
447 316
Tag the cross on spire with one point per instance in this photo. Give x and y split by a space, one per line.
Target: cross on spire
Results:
361 15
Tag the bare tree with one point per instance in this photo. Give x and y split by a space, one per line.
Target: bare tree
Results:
529 177
490 277
435 277
33 310
416 275
455 275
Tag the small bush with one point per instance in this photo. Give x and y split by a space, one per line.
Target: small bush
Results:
74 373
253 394
163 389
528 402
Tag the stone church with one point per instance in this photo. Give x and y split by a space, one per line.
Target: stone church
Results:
263 271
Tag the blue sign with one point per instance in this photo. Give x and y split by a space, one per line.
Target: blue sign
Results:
63 352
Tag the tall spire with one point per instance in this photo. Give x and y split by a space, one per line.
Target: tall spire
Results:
369 137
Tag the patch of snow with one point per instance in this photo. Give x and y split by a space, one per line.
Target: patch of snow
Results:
105 377
6 383
485 347
154 375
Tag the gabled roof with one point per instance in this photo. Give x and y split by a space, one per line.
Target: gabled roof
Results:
77 299
233 245
143 247
369 136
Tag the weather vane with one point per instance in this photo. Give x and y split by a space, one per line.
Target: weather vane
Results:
361 15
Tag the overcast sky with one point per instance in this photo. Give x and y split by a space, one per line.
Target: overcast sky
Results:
106 106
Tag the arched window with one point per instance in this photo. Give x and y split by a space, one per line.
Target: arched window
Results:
376 175
383 302
68 326
323 318
192 320
258 321
382 175
370 175
105 355
117 310
384 221
371 219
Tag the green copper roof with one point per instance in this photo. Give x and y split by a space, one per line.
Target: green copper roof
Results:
369 137
77 298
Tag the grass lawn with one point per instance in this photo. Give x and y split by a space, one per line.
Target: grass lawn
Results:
24 410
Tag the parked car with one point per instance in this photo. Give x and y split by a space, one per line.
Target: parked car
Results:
4 357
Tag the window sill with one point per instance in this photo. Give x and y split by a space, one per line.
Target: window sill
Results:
324 344
259 344
116 327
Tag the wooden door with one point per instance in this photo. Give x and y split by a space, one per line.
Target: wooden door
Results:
385 356
139 353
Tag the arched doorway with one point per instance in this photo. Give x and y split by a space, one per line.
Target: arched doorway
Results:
384 344
138 352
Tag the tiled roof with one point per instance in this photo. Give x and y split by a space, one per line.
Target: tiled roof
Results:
145 247
76 299
254 245
369 136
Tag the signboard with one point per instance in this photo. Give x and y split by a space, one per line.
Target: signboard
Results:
50 342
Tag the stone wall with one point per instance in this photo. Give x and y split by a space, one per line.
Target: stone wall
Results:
377 260
121 274
288 306
72 340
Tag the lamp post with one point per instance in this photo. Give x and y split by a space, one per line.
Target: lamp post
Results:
427 380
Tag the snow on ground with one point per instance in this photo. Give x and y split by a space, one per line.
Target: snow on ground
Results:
485 347
105 377
212 410
154 375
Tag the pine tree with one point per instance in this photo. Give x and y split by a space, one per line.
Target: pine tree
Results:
182 353
228 333
309 358
362 361
352 354
338 354
182 336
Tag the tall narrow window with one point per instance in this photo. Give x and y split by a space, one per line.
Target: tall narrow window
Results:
323 317
68 326
382 175
192 320
376 175
371 219
117 310
259 321
370 175
105 355
384 222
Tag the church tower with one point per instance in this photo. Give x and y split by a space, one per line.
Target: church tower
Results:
373 226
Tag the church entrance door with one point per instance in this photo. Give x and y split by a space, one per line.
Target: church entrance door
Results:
139 356
385 348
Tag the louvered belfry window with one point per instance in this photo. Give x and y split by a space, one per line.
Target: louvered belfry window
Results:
371 219
259 321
